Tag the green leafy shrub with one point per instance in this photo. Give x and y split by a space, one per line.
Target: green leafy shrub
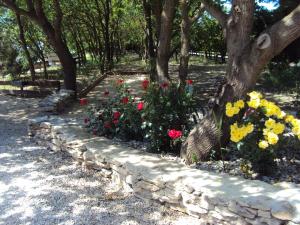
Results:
167 107
161 116
282 76
117 117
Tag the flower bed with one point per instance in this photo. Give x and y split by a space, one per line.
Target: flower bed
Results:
161 116
264 139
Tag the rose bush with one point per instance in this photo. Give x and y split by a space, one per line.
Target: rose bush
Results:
160 116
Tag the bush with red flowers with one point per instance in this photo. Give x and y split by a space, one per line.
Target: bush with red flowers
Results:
160 117
167 111
118 116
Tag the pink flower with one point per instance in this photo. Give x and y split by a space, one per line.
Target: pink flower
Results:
125 100
174 134
116 122
140 106
145 84
116 115
83 101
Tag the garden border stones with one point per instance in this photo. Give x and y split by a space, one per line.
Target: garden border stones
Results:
226 199
57 101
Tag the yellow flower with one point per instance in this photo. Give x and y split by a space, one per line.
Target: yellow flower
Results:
282 115
272 126
270 123
239 104
264 102
295 122
238 133
263 144
249 128
254 103
255 95
278 128
231 110
272 138
296 130
272 110
289 118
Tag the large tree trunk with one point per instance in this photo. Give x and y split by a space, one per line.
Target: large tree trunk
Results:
246 61
163 50
185 41
25 48
149 40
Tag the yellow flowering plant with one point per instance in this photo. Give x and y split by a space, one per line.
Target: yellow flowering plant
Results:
258 130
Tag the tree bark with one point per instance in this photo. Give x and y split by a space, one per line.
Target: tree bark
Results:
25 47
149 40
186 23
163 50
246 61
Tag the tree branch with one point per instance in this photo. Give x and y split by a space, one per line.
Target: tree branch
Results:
12 6
59 16
214 10
198 14
274 39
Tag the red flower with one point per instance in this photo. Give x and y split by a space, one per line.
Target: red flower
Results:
107 124
164 85
189 82
86 120
145 84
83 101
120 81
174 134
125 100
115 122
140 106
116 115
94 131
106 93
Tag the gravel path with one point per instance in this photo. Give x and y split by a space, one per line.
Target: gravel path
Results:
41 187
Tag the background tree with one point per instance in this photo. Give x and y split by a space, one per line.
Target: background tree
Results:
35 11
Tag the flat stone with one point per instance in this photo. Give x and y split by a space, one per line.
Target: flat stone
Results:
226 214
205 203
216 215
147 186
261 203
265 221
265 214
283 211
189 189
106 173
242 211
38 120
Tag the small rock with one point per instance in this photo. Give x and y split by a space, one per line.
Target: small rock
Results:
282 211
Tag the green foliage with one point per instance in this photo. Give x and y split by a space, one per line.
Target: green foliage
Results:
282 76
161 116
117 117
167 107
